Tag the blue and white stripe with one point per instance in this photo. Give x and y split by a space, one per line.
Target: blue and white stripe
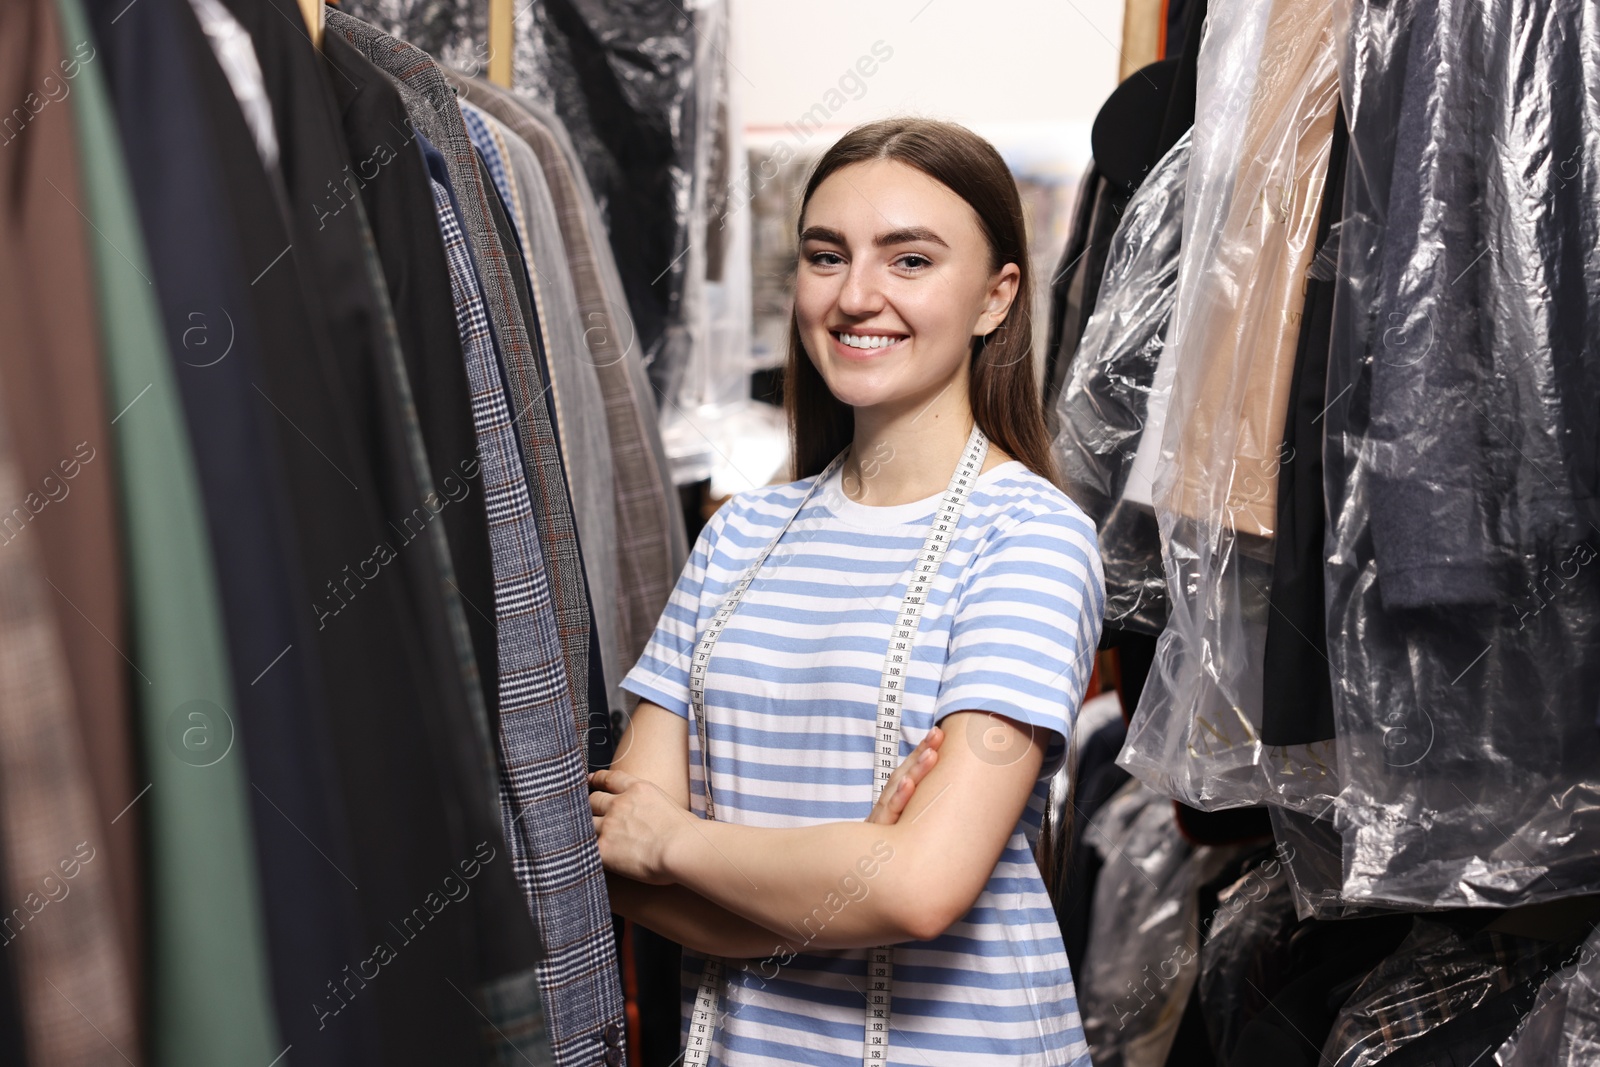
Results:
1010 627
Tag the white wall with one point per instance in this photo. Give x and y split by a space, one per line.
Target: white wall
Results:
1028 74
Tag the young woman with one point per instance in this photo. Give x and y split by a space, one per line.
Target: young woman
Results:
910 354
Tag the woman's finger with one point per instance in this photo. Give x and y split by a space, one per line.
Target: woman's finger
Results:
916 766
898 800
599 802
902 786
922 758
881 812
931 741
914 762
611 780
915 773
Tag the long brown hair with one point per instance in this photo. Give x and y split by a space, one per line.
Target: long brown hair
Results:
1003 395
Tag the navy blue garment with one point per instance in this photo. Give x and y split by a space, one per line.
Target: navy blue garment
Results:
491 932
279 708
434 876
1487 441
556 862
389 176
1463 638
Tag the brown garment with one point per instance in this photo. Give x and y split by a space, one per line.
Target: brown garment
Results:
647 517
60 922
60 508
1247 319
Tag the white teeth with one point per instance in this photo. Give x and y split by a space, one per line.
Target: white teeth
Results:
865 341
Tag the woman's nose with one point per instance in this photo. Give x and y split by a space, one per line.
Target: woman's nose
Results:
860 294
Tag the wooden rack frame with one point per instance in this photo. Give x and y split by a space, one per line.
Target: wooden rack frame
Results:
500 35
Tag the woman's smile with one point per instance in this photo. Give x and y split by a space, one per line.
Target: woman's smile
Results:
912 254
895 281
866 345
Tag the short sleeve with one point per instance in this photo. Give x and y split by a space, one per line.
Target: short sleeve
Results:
1027 622
662 673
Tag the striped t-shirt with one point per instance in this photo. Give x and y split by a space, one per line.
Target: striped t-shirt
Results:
1010 626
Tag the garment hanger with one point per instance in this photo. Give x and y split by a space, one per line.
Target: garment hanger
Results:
500 38
311 10
500 35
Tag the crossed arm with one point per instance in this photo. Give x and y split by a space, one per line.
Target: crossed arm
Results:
908 873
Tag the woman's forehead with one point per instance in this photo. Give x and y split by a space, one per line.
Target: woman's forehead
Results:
864 201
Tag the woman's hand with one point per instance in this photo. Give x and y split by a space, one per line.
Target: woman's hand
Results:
902 784
636 823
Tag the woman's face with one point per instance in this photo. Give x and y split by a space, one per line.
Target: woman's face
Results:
893 284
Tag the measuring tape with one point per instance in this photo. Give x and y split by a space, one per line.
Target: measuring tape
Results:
891 691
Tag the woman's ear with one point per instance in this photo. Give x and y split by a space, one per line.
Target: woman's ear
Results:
1002 291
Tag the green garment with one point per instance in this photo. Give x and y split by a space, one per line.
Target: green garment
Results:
208 986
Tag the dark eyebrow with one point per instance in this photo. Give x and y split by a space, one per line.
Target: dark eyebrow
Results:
821 233
908 235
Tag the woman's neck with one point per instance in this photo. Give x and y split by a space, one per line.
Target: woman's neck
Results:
908 454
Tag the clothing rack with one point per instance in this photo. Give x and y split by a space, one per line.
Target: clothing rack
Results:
500 36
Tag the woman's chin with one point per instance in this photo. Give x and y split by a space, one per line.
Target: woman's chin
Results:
868 388
861 394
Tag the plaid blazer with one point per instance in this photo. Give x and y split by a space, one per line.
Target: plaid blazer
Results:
530 664
574 380
651 547
544 795
431 105
1434 976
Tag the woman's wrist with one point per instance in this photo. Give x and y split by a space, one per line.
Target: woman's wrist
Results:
677 848
679 914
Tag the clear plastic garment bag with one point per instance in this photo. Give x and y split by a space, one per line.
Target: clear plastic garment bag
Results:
1563 1029
1103 409
1463 578
1264 123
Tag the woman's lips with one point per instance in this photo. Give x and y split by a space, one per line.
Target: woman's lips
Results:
862 355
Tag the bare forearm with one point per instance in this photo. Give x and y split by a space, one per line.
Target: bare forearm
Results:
840 884
682 915
835 885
